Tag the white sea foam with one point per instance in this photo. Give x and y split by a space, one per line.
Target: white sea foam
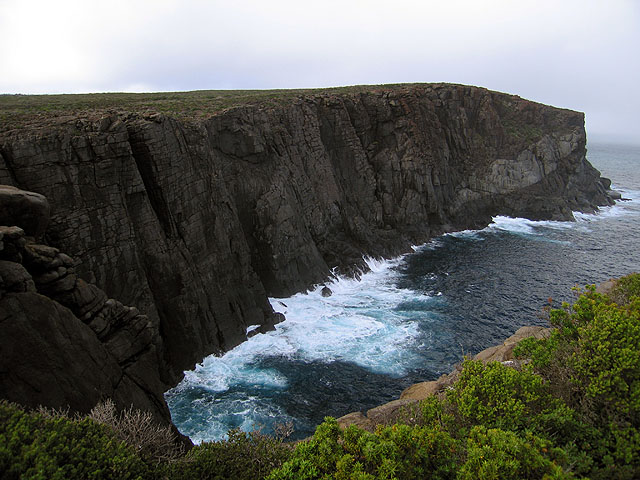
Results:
626 207
355 324
525 226
472 234
359 323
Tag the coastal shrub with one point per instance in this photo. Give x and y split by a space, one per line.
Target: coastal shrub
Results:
33 446
593 358
607 363
494 454
244 456
398 451
625 289
437 414
592 363
496 395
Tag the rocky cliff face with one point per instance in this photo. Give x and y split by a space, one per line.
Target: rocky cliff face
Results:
64 344
195 223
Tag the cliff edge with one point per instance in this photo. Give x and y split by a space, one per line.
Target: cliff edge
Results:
196 221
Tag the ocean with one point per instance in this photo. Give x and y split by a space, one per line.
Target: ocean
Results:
412 318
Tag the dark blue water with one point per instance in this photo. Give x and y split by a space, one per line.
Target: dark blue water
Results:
411 319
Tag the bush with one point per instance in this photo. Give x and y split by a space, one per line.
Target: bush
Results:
138 429
244 456
496 454
34 446
592 362
495 395
398 451
625 289
607 364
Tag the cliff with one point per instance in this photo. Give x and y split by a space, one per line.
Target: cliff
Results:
196 220
64 344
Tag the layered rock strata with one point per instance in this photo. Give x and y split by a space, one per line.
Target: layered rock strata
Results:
196 223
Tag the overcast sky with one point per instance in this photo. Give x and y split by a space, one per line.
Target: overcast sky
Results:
582 54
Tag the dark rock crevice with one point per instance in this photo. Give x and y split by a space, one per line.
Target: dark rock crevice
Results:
144 162
7 175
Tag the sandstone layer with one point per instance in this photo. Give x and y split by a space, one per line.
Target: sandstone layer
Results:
196 223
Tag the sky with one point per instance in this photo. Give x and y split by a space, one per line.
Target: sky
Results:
578 54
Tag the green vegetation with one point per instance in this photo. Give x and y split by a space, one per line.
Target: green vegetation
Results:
20 110
39 446
522 130
48 444
570 408
244 456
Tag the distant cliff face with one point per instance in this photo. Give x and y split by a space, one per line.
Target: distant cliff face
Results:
195 223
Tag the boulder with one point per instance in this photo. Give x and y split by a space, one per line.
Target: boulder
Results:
422 390
358 419
27 210
15 278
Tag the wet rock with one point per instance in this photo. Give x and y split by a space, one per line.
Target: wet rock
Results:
326 292
614 194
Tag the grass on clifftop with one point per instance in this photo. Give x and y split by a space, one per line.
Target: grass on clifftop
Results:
18 110
570 409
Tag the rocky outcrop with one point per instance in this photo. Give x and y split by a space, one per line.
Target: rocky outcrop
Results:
64 344
30 209
195 223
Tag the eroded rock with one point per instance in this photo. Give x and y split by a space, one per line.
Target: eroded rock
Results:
27 210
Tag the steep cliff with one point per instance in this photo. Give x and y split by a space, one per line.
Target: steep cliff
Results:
64 344
196 221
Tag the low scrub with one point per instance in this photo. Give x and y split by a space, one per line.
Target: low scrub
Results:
243 456
36 446
138 429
